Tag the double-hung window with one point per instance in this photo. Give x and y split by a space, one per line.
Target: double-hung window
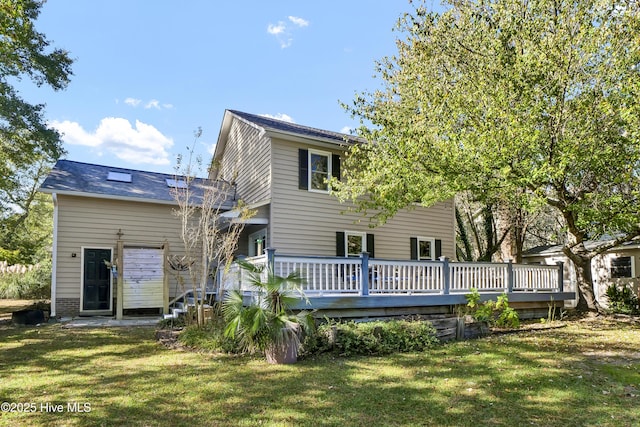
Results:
425 248
315 168
356 243
319 170
353 243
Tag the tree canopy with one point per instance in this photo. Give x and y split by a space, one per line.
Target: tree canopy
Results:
27 144
533 102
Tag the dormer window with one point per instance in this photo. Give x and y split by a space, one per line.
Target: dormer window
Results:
316 168
119 176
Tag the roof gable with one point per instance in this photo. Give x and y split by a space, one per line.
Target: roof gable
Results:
294 129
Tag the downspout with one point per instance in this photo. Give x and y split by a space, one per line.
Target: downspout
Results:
54 255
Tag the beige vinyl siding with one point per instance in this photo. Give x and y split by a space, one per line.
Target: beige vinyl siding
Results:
92 222
305 223
246 160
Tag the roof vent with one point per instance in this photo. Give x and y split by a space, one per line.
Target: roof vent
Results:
119 176
176 183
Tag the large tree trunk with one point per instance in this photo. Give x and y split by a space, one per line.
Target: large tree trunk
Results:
509 221
582 266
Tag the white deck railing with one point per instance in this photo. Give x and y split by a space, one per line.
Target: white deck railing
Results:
330 276
405 277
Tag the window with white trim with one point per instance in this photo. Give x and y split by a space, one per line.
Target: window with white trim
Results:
315 167
319 170
355 243
621 267
425 248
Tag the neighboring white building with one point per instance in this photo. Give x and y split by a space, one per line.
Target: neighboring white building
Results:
620 265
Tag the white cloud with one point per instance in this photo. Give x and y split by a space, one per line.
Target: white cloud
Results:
279 116
154 103
283 32
346 129
132 101
276 29
72 133
140 144
299 21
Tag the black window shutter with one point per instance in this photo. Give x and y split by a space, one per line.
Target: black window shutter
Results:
335 166
340 243
438 249
414 247
303 169
371 245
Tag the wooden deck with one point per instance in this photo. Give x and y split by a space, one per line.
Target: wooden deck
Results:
338 285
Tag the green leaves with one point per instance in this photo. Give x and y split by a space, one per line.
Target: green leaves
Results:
27 145
504 98
267 319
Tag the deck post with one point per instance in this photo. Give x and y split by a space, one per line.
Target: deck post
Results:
560 276
271 257
364 275
446 275
510 277
120 280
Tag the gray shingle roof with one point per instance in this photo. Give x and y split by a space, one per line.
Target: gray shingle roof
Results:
292 128
69 177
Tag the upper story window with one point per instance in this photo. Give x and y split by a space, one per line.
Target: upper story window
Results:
622 267
315 168
319 170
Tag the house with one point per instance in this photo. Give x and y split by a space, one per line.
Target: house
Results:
280 169
103 214
619 265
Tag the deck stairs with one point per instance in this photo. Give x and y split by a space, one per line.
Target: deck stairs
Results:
181 303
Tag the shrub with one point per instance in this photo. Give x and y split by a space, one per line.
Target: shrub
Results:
370 338
622 299
496 313
32 282
209 337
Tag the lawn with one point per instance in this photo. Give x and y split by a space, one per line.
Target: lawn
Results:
584 374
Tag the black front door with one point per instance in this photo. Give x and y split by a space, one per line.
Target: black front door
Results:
97 280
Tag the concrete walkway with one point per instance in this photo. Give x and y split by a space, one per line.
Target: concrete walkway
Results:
99 321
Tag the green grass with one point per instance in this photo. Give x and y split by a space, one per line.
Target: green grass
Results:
586 374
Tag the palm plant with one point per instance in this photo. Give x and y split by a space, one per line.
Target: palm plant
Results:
267 324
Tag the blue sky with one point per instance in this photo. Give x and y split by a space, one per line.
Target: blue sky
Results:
147 74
